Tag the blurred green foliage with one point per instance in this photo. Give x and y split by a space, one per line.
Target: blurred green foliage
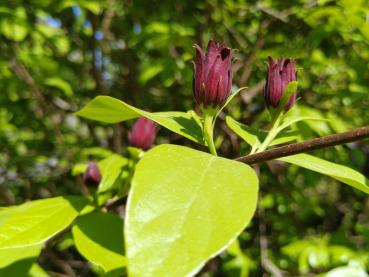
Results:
55 56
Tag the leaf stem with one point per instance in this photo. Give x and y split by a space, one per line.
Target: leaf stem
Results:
272 133
208 132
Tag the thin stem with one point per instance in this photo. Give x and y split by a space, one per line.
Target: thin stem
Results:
272 133
309 145
253 149
208 133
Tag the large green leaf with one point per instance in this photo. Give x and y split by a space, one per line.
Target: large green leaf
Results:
99 238
36 221
339 172
111 110
185 206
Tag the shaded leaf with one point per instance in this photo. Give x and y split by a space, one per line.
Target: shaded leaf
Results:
99 238
110 168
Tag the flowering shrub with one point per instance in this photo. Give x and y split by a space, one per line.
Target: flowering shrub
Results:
183 206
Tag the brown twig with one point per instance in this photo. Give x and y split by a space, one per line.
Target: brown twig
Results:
54 259
309 145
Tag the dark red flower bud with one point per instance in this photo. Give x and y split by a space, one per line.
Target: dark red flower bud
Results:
92 175
212 79
143 133
278 77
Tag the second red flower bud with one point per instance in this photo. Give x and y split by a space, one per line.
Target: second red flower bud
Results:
280 74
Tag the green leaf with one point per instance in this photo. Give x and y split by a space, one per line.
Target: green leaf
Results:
150 72
12 255
13 29
284 137
185 206
319 124
347 271
99 238
288 121
111 110
110 168
250 135
36 221
240 262
79 168
37 271
339 172
229 99
253 136
93 6
60 84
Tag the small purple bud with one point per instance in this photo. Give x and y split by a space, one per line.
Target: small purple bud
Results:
143 133
212 78
92 176
280 74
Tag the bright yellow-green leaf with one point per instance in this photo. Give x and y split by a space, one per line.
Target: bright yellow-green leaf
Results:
11 255
13 30
37 271
34 222
20 261
185 206
99 238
